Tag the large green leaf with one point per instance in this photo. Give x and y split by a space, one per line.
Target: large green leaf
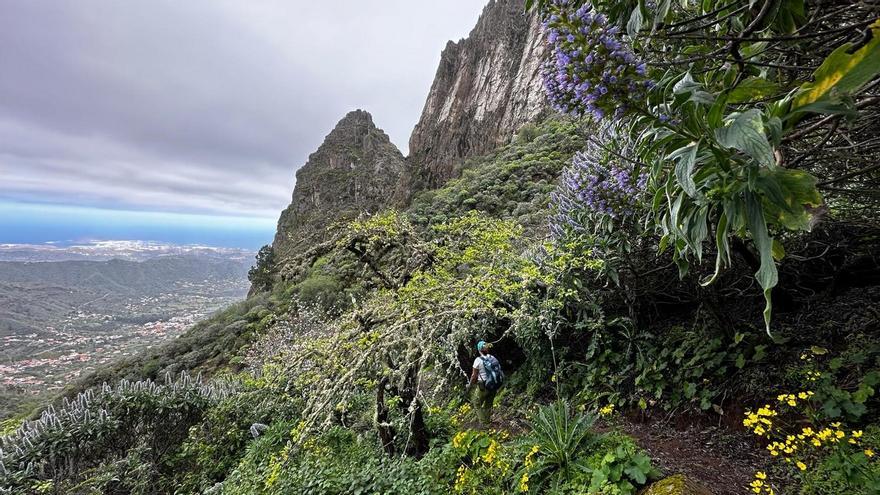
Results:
746 133
722 257
753 88
693 89
684 168
789 16
766 275
786 193
842 72
635 21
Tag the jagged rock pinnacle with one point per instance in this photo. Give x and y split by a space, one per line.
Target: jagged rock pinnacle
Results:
351 173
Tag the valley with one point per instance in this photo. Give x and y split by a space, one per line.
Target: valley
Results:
62 319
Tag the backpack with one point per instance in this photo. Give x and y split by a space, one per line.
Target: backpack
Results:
494 375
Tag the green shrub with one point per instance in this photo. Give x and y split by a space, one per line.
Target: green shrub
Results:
474 461
216 445
324 291
118 439
336 462
619 467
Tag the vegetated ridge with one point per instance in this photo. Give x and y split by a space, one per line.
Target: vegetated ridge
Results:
680 279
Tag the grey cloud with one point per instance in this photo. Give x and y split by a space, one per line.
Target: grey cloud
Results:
201 105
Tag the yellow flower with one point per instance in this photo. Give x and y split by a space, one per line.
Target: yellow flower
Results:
801 466
761 475
457 439
857 434
869 452
529 460
491 452
524 483
607 410
460 478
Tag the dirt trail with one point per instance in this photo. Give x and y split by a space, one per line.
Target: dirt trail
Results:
722 460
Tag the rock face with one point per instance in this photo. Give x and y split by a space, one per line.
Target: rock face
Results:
486 87
352 172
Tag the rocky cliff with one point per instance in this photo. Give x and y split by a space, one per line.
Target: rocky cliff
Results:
352 172
486 87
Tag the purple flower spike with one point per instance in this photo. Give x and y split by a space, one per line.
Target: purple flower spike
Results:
588 54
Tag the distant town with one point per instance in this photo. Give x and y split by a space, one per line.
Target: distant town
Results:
67 311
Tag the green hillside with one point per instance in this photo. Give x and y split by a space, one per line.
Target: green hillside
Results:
679 280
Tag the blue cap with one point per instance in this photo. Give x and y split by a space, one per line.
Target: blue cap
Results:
480 345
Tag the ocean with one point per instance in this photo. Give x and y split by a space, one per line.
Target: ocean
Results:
29 223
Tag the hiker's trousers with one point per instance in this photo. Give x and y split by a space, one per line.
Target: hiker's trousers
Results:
482 400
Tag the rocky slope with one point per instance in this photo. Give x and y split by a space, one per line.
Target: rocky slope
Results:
486 87
351 173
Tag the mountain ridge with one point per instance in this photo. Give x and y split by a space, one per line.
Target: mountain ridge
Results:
487 86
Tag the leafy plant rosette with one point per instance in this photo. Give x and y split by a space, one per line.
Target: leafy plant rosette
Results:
563 452
709 131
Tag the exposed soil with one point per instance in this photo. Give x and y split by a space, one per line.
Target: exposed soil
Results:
722 459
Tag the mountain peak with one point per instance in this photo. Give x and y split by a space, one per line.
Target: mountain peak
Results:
351 173
358 115
486 87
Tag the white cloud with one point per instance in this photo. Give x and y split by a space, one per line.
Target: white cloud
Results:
205 105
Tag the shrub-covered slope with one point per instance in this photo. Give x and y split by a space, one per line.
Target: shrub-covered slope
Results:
698 275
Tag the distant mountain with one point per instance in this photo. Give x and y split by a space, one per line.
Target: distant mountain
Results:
35 294
121 276
106 250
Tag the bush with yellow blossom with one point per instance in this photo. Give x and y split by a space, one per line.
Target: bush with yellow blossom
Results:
804 434
474 462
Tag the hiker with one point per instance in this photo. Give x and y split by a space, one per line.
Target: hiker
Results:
488 377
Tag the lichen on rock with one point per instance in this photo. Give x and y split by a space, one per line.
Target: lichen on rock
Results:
677 484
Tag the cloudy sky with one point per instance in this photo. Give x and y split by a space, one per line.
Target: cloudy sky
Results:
201 106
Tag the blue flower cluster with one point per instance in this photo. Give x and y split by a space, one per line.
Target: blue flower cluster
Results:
604 187
596 185
589 71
